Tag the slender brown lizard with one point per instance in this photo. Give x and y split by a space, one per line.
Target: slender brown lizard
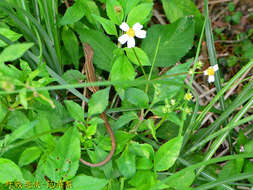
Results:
91 77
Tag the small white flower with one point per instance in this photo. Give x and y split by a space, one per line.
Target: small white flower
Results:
128 37
210 72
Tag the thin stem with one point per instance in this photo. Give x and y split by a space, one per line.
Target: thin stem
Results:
144 73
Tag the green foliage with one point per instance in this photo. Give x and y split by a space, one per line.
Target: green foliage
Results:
161 42
162 138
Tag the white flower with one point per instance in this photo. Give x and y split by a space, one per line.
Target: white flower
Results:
210 72
128 37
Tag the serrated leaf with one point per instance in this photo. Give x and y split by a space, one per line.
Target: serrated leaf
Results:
167 154
14 51
171 42
29 155
139 14
98 102
75 110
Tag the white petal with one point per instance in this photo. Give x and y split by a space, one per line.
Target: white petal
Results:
211 78
123 39
131 42
205 72
140 33
137 26
215 67
124 26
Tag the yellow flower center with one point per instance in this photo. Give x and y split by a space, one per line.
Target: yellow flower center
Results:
210 71
188 96
130 32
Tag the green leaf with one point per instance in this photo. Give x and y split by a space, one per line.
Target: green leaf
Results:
187 177
176 9
122 70
143 178
11 35
98 102
129 5
84 182
126 163
9 171
171 42
249 168
29 155
73 76
167 154
108 25
14 51
73 13
75 110
71 45
137 97
63 162
114 11
102 45
22 96
139 14
141 56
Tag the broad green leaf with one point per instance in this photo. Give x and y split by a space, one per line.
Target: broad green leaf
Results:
122 70
232 168
108 25
63 162
143 163
75 110
249 168
176 9
102 45
73 13
99 155
9 171
173 84
29 155
73 76
125 119
11 35
145 178
140 56
71 45
171 42
98 102
187 177
16 119
14 51
139 14
84 182
129 5
167 154
126 163
137 97
114 11
90 9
